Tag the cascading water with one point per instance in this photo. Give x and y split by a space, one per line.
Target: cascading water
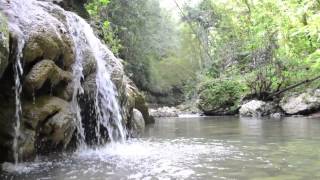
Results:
77 77
106 104
18 72
107 111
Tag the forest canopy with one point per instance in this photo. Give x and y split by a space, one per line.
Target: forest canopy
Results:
263 45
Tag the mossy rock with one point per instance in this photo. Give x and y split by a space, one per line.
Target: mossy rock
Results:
43 71
4 44
45 43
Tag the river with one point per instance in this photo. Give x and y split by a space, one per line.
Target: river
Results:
193 148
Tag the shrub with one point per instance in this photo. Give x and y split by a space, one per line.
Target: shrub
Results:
220 96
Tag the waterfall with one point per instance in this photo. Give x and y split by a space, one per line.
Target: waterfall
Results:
107 110
107 107
18 72
77 71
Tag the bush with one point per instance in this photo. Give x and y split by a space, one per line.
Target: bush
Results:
219 97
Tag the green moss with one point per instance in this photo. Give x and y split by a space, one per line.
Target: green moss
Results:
4 44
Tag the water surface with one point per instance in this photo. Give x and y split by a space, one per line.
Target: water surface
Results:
194 148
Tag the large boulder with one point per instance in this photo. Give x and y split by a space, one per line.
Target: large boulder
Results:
137 123
4 44
256 108
304 103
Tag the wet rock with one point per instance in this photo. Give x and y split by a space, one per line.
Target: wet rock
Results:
4 44
43 71
73 5
256 108
137 123
57 132
304 103
141 104
52 120
44 107
45 43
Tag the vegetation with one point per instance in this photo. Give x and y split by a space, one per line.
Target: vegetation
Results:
264 46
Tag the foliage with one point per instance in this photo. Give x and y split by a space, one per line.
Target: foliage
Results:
96 9
270 43
219 94
262 45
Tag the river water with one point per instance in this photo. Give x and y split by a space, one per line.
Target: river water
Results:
193 148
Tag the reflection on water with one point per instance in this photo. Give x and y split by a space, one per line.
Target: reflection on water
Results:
194 148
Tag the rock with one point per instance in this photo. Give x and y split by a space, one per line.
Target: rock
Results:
165 112
276 115
137 123
35 113
138 101
52 119
4 44
57 132
304 103
73 5
45 43
256 108
43 71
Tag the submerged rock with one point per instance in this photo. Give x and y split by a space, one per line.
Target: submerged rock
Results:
305 103
256 108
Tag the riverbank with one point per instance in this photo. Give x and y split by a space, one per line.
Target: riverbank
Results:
293 104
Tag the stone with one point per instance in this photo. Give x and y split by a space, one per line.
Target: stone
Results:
276 115
304 103
73 5
43 71
256 108
58 131
137 123
165 112
34 113
4 44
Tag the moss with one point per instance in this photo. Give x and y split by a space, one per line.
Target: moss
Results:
4 44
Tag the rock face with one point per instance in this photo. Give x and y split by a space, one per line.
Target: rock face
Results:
43 41
4 44
72 5
304 103
256 108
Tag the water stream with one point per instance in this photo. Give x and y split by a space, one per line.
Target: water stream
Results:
18 72
107 107
195 148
